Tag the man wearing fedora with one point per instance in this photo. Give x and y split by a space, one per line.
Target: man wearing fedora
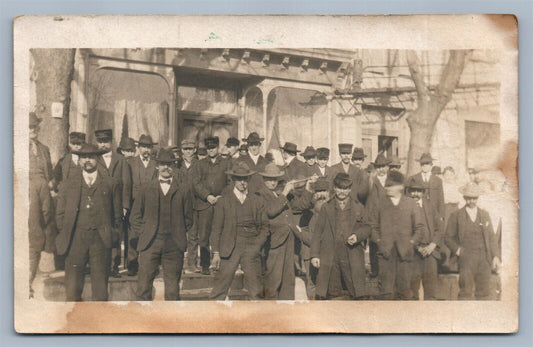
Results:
359 177
127 147
162 214
294 168
309 155
255 161
278 202
209 181
143 171
118 168
69 163
240 230
358 157
435 191
398 228
338 243
470 236
428 252
89 217
322 158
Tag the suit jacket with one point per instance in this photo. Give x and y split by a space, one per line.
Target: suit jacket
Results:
209 178
64 168
434 230
295 169
256 180
323 244
145 213
141 175
376 194
120 169
455 232
399 226
360 187
435 193
279 212
224 234
44 154
106 201
306 235
328 172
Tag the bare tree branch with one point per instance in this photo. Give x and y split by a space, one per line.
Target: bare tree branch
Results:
451 74
416 74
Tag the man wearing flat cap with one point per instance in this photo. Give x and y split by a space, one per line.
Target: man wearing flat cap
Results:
240 230
143 171
255 161
278 202
118 168
162 214
435 191
398 229
358 176
209 181
69 163
338 244
89 219
470 236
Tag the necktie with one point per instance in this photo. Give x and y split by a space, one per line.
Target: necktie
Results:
165 181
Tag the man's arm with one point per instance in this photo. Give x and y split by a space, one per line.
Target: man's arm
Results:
126 184
117 204
450 237
362 228
137 212
187 209
199 189
60 208
218 225
419 227
317 234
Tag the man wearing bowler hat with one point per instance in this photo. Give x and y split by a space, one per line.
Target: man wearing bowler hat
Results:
470 236
428 253
359 177
209 180
143 171
435 191
278 202
89 219
240 230
118 168
162 214
255 161
69 163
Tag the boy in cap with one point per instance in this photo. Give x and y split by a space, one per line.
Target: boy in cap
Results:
255 161
162 214
435 191
118 168
359 177
470 236
337 246
89 219
209 179
398 229
279 202
240 230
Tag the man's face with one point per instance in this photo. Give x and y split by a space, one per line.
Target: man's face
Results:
310 161
271 183
188 153
34 132
346 157
394 191
342 193
165 170
74 146
212 152
394 168
322 162
232 150
358 162
128 154
88 162
426 167
145 151
382 170
104 145
253 148
471 202
241 183
416 193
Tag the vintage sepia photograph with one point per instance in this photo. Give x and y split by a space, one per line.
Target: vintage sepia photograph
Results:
328 177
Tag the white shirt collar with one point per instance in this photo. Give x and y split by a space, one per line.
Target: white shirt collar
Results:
322 170
145 163
165 187
108 154
345 166
75 159
382 179
472 213
254 158
395 201
90 177
239 195
426 176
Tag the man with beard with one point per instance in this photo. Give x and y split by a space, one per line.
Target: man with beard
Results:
337 246
398 229
240 230
359 177
143 171
254 160
278 202
89 217
118 168
162 214
209 180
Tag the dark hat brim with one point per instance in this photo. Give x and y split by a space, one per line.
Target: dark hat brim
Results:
290 150
83 153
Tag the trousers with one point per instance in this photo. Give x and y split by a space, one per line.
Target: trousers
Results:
474 275
425 272
204 226
279 274
192 242
395 276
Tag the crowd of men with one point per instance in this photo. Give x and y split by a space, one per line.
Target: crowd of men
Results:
196 209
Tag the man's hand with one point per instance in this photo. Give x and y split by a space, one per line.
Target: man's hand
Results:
352 240
427 250
215 263
315 262
289 186
125 211
309 183
458 253
298 228
496 265
211 199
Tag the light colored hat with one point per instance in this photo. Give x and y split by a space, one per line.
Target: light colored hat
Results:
272 171
471 190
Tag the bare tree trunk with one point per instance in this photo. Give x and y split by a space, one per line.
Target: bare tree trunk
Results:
53 70
430 103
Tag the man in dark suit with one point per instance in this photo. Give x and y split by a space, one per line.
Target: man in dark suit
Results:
278 202
89 217
118 168
294 168
161 215
428 253
69 163
255 161
338 244
209 181
470 236
309 155
127 147
358 157
322 158
240 230
398 229
435 192
143 171
232 144
359 177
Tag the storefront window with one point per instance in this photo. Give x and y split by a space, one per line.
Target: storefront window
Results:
207 100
